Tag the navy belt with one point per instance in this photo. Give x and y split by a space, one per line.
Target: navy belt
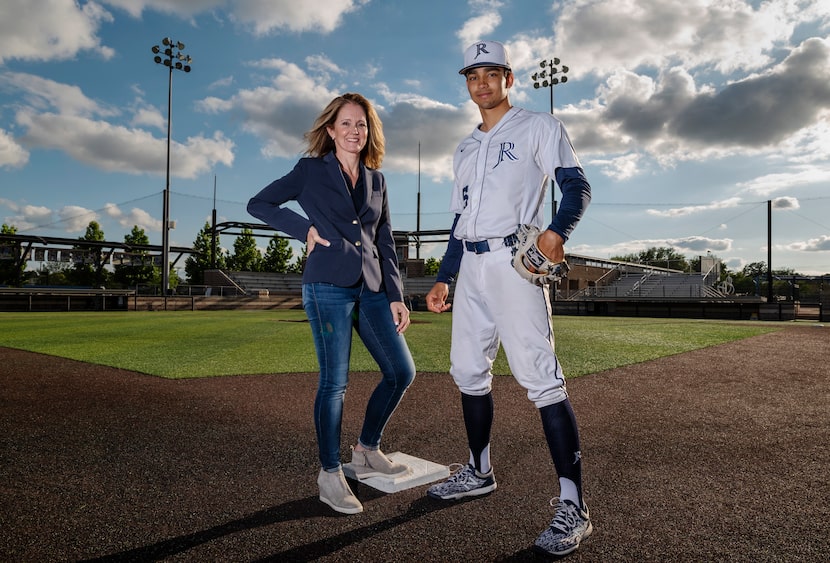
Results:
482 246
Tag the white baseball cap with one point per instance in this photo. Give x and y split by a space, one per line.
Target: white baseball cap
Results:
485 53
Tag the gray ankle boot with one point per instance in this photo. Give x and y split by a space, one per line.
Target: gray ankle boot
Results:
373 463
335 492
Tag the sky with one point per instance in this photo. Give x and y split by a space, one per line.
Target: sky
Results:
688 116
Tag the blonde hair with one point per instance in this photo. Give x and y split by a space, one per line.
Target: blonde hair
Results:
320 143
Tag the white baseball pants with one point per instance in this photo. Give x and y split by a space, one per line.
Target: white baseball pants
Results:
494 305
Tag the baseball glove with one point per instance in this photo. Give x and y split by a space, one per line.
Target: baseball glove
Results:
531 263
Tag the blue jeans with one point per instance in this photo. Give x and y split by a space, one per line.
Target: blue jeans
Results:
333 312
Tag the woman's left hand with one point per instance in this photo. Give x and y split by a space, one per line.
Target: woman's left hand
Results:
400 314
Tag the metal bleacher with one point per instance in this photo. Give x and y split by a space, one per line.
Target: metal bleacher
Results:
269 283
650 285
257 282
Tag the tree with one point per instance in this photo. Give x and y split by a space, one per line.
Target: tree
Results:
755 269
661 257
12 265
140 268
88 259
748 280
278 255
431 266
54 273
299 263
246 256
196 264
137 237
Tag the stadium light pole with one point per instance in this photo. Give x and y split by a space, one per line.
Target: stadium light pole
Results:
170 55
547 78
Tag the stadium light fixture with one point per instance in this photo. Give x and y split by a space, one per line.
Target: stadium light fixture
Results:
552 73
179 61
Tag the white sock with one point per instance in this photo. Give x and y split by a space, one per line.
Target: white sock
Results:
485 460
567 491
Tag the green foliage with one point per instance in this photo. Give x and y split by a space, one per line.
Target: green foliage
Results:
196 264
431 266
89 267
137 237
140 269
182 344
11 272
53 273
278 256
246 256
753 280
755 269
94 232
299 263
659 257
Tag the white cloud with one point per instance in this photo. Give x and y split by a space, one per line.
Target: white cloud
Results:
26 216
261 16
221 83
820 244
12 155
119 149
810 145
478 27
602 35
48 30
698 244
620 168
181 8
769 184
684 245
75 218
150 116
43 94
73 129
134 217
323 64
281 112
761 110
670 118
693 209
266 16
785 203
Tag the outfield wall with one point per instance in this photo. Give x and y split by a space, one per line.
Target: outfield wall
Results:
82 299
710 309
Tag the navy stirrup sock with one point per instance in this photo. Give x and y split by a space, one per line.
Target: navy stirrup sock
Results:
562 436
478 419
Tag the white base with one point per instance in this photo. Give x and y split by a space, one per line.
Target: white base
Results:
421 472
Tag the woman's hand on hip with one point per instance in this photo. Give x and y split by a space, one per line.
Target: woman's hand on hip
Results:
313 238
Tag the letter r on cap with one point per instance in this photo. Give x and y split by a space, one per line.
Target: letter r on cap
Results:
481 48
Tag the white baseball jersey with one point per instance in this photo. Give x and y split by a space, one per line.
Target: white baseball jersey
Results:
500 175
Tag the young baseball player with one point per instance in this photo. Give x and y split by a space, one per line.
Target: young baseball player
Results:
500 171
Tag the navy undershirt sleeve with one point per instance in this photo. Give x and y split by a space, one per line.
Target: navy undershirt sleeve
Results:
451 262
576 195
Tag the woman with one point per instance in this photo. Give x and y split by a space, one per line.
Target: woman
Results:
350 281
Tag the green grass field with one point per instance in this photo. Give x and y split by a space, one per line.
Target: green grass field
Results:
186 344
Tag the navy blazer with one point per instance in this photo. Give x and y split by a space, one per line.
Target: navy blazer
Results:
361 241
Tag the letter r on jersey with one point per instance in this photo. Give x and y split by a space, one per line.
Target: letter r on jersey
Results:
504 152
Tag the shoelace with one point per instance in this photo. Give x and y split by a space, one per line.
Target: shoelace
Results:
566 515
459 473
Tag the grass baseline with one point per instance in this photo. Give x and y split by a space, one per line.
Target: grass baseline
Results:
188 344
